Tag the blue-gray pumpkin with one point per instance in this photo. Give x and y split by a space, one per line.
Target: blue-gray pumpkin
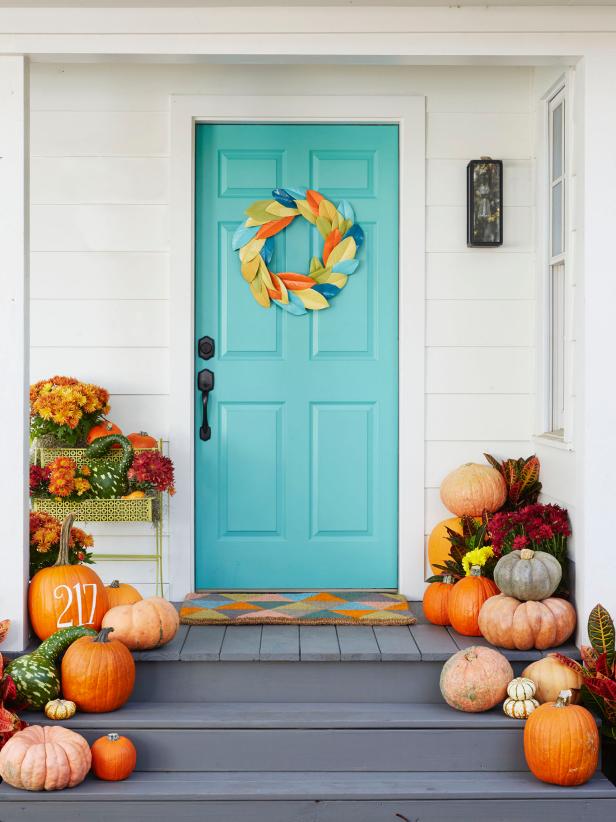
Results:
528 575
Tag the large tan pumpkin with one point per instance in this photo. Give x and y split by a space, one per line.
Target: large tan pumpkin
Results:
551 677
475 679
472 489
45 758
146 624
509 623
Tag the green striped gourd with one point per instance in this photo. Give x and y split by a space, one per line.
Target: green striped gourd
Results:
109 478
35 675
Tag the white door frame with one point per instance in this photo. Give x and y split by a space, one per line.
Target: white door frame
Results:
409 114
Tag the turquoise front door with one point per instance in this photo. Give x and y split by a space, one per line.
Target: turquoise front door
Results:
297 487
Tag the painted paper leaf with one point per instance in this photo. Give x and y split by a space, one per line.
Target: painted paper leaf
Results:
295 305
250 250
346 267
327 210
315 265
344 226
328 290
296 282
331 241
312 299
259 292
250 268
324 226
338 279
346 209
296 193
282 196
322 276
243 235
343 251
270 229
306 212
282 294
280 211
313 198
267 252
258 211
356 233
264 274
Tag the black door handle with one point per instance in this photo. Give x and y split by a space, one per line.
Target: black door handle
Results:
205 384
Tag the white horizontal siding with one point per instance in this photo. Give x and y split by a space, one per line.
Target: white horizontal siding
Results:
100 217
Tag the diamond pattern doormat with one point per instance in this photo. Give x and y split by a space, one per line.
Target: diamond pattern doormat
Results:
313 608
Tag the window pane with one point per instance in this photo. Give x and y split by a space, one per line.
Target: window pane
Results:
557 346
557 141
557 219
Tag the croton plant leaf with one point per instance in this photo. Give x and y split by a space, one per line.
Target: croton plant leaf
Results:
601 632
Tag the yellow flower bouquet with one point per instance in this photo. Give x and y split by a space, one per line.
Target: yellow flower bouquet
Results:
66 409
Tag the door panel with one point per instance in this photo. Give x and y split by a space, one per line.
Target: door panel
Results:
297 487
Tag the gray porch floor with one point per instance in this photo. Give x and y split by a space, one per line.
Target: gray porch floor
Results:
325 643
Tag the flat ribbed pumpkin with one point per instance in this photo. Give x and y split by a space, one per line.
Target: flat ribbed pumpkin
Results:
45 758
509 623
472 489
146 624
475 679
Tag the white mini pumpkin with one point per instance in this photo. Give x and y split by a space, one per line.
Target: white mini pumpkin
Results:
519 708
521 688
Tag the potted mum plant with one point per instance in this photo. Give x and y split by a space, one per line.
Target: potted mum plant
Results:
63 410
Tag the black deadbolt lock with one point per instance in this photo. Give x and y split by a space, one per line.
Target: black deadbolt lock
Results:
206 348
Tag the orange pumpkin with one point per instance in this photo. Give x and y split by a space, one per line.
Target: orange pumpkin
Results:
98 674
436 601
466 599
103 429
64 596
509 623
149 623
121 593
561 742
113 757
142 440
475 679
438 544
45 758
472 489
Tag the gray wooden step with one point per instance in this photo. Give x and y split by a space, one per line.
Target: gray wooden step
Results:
315 797
312 737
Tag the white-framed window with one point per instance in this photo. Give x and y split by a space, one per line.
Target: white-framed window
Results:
556 291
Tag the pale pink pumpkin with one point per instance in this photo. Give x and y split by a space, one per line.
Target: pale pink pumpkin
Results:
475 679
509 623
46 758
472 489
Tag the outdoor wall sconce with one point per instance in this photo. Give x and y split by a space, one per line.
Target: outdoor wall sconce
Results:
484 202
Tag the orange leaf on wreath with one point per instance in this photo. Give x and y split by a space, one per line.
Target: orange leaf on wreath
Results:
269 229
332 240
313 198
296 282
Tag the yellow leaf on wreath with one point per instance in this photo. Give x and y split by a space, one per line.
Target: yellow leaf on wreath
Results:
324 227
305 210
250 268
265 275
327 210
284 299
249 251
312 299
278 210
343 251
322 275
259 292
337 279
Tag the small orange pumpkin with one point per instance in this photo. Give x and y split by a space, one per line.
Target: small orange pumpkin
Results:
121 593
64 595
472 489
113 757
436 601
561 742
103 429
466 600
98 674
142 440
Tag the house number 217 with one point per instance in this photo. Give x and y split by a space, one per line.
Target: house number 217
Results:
79 596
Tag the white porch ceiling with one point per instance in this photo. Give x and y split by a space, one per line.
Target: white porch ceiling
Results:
287 3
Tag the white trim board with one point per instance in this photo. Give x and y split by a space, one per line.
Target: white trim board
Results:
409 114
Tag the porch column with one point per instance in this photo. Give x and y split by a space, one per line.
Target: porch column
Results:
596 260
14 347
